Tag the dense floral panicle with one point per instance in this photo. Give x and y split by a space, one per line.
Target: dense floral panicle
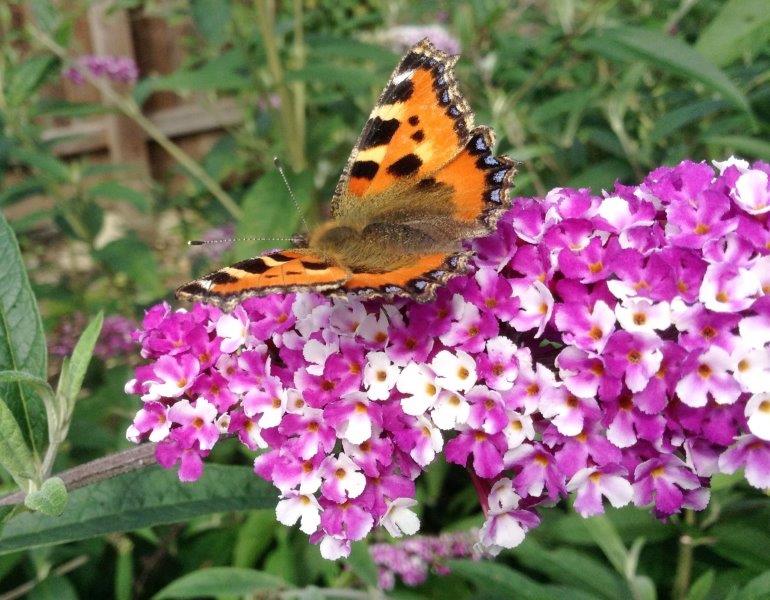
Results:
120 69
612 346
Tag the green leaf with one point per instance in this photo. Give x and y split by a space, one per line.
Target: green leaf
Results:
211 17
15 456
22 342
54 587
746 146
27 78
602 175
112 190
673 121
740 27
498 580
701 587
50 499
268 198
571 567
606 537
677 57
133 257
220 581
361 563
255 535
144 498
49 166
743 544
72 375
756 589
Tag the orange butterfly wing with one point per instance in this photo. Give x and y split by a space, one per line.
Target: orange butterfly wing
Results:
418 124
418 280
277 272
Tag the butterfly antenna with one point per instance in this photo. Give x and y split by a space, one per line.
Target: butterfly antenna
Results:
279 166
231 240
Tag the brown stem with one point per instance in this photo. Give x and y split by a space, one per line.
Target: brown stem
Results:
97 470
482 490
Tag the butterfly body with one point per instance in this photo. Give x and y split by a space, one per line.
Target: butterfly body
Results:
420 180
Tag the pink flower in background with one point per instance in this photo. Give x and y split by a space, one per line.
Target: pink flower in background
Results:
611 347
403 37
119 69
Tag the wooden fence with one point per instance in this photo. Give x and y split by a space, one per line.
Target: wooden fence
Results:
156 48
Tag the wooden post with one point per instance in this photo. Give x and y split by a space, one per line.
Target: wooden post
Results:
111 35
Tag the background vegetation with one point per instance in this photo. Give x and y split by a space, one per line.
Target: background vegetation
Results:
582 92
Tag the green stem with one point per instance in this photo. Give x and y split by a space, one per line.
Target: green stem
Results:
684 562
295 145
129 108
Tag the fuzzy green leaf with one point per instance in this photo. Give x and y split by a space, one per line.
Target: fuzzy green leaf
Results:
220 581
50 499
22 342
144 498
15 456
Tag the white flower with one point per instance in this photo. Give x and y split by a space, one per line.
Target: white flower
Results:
456 372
450 410
334 548
758 414
740 164
640 314
380 375
518 429
751 367
429 444
299 507
347 314
233 328
751 192
399 520
316 352
374 328
420 386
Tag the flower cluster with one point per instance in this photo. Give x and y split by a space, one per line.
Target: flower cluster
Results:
611 346
115 340
414 558
402 37
119 69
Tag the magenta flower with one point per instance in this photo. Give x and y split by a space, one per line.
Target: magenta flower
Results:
752 454
669 484
591 483
176 376
600 346
635 355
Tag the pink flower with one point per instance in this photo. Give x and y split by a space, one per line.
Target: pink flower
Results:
591 483
752 454
197 422
176 376
669 484
708 374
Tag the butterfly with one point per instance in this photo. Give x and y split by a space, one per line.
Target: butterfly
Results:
420 180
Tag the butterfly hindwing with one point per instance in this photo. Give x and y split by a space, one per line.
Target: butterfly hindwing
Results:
418 124
281 272
480 183
419 279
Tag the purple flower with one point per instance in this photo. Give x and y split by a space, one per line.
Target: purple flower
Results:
669 484
601 346
752 454
119 69
591 483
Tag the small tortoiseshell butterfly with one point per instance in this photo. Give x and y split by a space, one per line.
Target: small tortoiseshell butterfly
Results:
420 180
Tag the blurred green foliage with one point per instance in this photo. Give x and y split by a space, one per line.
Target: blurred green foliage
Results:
582 92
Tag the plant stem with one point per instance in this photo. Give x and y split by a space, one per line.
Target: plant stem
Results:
128 107
684 562
62 569
295 144
97 470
